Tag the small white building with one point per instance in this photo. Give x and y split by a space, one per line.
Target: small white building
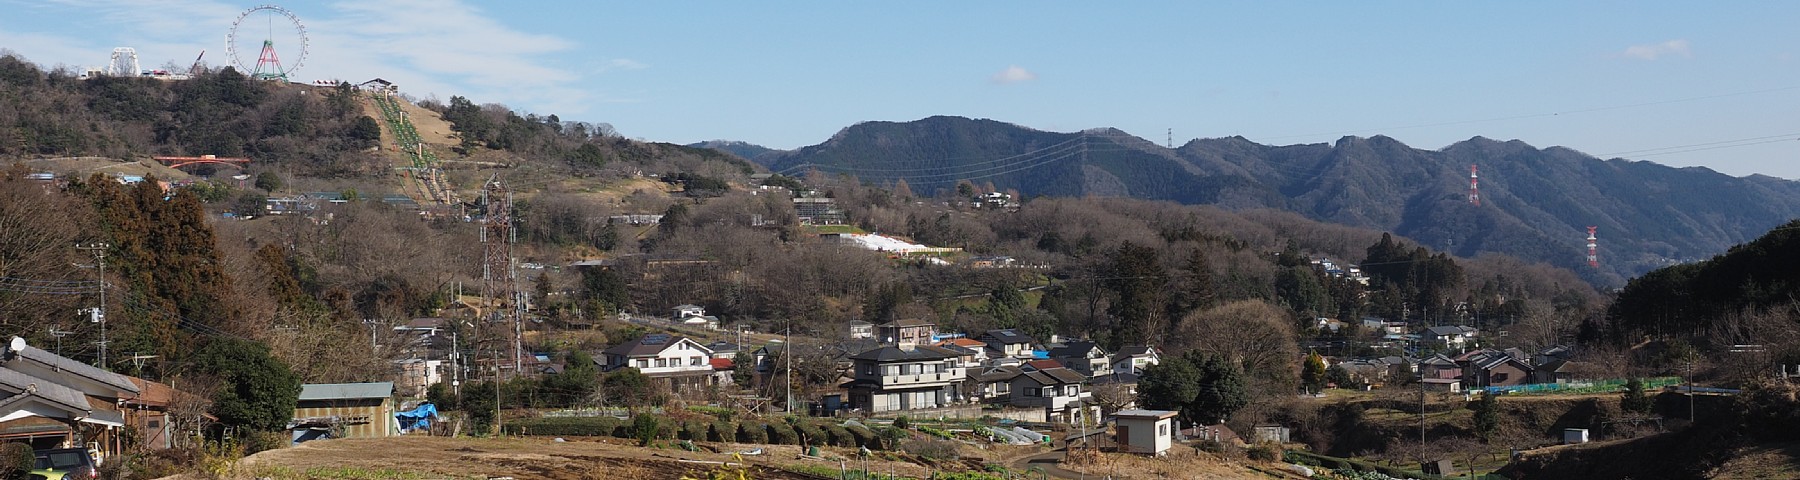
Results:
1145 431
679 360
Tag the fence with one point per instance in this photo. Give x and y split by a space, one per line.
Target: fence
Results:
1578 388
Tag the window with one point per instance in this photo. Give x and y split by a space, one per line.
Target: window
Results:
1033 392
1162 429
662 362
694 361
1072 390
643 363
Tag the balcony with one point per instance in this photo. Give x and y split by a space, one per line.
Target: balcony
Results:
905 380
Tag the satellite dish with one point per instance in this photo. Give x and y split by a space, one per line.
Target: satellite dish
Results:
17 345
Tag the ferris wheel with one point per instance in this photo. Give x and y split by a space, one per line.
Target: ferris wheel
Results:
275 26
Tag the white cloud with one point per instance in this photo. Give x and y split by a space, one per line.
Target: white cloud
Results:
1014 74
1653 51
428 47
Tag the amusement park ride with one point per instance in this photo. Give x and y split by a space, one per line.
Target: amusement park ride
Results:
268 64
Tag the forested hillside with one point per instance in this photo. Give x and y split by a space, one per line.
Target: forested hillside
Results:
1536 203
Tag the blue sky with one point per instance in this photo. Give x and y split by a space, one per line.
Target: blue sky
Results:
1712 83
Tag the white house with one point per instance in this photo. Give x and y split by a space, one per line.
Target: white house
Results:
1135 358
1145 431
688 310
861 329
680 361
1083 356
1057 390
1449 336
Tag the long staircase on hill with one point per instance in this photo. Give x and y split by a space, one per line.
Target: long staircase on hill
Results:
426 170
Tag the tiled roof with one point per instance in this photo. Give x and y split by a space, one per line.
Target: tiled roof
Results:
51 391
909 322
344 391
65 364
1055 376
896 354
1079 348
649 345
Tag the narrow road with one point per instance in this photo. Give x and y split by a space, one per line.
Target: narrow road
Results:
1047 463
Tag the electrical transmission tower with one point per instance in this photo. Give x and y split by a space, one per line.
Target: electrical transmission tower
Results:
1474 192
498 287
1593 248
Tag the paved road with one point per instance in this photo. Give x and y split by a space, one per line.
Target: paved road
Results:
1046 462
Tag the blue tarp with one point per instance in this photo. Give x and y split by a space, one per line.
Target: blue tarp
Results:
419 417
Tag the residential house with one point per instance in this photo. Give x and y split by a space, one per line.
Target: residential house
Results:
157 427
904 377
991 385
1145 431
861 329
679 361
102 392
1439 366
1449 337
353 410
723 349
906 331
1451 385
1383 326
1058 391
723 368
1488 368
1135 358
418 375
684 311
1035 365
973 353
1083 356
1008 342
1558 370
1119 385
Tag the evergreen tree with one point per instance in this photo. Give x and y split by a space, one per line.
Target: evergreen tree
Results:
256 391
1312 373
1487 415
1634 399
1222 390
1171 385
1139 284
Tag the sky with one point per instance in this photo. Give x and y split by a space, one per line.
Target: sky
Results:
1714 84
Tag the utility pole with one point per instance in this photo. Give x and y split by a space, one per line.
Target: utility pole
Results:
99 314
1421 420
371 323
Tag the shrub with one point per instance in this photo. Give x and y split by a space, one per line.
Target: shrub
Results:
691 431
645 428
565 426
902 422
937 433
721 432
838 436
722 413
863 436
1264 453
752 433
782 434
810 433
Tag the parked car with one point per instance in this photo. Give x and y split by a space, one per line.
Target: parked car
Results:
65 463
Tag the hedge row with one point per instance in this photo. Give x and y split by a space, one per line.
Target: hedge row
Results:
750 431
1334 463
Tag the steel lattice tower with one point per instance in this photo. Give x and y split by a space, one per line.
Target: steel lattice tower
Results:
1474 192
498 280
1593 244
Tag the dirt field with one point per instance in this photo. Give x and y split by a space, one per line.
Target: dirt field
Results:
524 458
85 166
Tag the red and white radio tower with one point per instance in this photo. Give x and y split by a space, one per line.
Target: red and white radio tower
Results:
1593 258
1474 192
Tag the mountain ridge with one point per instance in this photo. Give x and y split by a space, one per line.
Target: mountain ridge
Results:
1535 202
